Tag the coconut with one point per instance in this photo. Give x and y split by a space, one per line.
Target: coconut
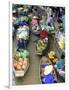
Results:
26 59
23 67
18 67
20 63
20 59
25 63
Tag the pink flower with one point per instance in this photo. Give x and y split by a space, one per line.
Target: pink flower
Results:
34 21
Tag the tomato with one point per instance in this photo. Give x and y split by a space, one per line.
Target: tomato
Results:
23 67
25 59
20 59
20 63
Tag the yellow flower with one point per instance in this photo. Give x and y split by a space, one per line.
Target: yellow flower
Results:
51 54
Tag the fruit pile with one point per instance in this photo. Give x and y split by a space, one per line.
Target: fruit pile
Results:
21 60
41 45
20 63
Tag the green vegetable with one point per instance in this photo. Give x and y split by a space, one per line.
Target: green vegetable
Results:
25 54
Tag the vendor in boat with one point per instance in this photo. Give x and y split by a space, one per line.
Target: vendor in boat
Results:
50 20
43 22
21 44
35 25
36 29
47 71
50 28
48 75
44 63
35 20
60 66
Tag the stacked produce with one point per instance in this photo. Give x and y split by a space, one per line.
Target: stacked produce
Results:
41 45
23 32
23 54
21 17
21 63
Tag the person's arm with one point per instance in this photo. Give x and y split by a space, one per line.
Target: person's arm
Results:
61 72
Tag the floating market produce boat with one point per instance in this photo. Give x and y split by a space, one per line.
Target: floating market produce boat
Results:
21 63
47 71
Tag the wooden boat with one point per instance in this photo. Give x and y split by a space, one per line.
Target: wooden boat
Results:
46 68
21 66
21 73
